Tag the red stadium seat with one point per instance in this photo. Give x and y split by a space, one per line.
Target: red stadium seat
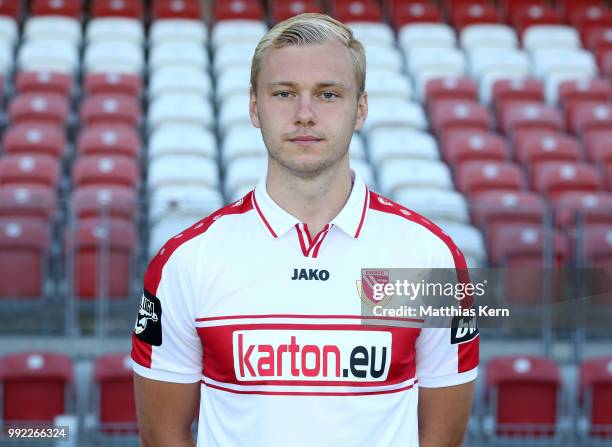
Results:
595 396
511 6
112 83
605 62
597 246
571 7
534 147
522 395
110 201
518 90
523 17
27 377
598 147
575 208
599 39
95 170
282 9
109 140
406 13
117 8
356 10
608 176
43 82
113 379
450 114
475 177
10 8
35 138
49 107
102 249
439 89
473 13
237 9
68 8
467 145
29 169
584 90
31 201
110 108
517 116
24 246
587 17
177 9
553 178
492 208
586 116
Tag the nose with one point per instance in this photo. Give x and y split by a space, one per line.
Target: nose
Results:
304 113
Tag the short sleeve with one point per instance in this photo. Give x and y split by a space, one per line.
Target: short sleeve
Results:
165 342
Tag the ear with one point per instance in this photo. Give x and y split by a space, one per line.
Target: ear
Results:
253 109
362 110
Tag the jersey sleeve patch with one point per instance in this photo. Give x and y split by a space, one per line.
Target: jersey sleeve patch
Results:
148 323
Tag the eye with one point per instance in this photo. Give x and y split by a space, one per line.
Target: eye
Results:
283 94
329 95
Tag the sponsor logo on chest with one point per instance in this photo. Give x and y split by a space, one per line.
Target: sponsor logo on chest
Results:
310 274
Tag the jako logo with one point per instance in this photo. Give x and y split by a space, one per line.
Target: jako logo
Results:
310 274
347 356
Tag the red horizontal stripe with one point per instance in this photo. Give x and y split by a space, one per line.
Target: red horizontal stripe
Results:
295 393
235 317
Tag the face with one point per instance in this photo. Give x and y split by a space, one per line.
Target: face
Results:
306 106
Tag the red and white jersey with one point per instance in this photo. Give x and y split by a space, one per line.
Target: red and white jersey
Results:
268 318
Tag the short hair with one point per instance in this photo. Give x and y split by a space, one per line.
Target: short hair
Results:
310 29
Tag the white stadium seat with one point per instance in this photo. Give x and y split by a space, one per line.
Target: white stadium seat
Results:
554 80
183 170
539 37
180 109
365 171
178 54
6 58
244 173
469 240
242 140
369 33
357 149
486 84
182 200
182 140
445 60
488 35
381 57
426 35
8 30
115 28
435 204
233 55
400 174
236 31
400 143
570 61
234 80
53 28
233 111
52 55
180 80
179 30
388 83
114 56
511 62
391 112
169 227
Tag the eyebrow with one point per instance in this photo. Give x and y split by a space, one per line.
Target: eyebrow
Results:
318 85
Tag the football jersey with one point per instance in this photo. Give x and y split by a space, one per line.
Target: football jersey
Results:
267 317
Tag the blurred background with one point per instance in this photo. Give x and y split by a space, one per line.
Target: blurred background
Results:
123 122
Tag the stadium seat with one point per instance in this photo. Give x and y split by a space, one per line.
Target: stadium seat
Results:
8 29
182 140
357 150
447 115
67 8
574 208
599 39
389 144
107 201
550 36
473 13
234 81
29 170
438 35
50 108
114 390
109 139
572 62
117 8
407 13
243 173
177 9
440 62
389 83
168 227
242 141
348 11
34 138
463 89
26 376
522 395
231 55
506 90
469 240
503 62
237 10
112 83
587 17
596 247
281 10
383 57
523 17
608 176
475 177
48 54
7 60
587 116
110 108
519 116
177 54
569 7
10 9
113 56
179 80
235 31
394 112
534 147
102 250
372 33
233 111
24 247
435 204
178 31
582 90
464 145
494 208
31 201
53 27
183 202
120 29
404 174
180 109
597 145
553 178
95 170
183 170
43 82
488 35
595 392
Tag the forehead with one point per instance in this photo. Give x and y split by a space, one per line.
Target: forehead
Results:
308 65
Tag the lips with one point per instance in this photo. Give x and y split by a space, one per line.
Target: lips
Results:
305 139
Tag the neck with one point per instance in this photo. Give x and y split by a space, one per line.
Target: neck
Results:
316 200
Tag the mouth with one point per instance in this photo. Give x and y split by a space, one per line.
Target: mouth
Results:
305 140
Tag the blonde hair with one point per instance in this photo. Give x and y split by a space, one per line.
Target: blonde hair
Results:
310 29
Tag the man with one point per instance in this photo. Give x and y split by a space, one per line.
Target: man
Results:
258 320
